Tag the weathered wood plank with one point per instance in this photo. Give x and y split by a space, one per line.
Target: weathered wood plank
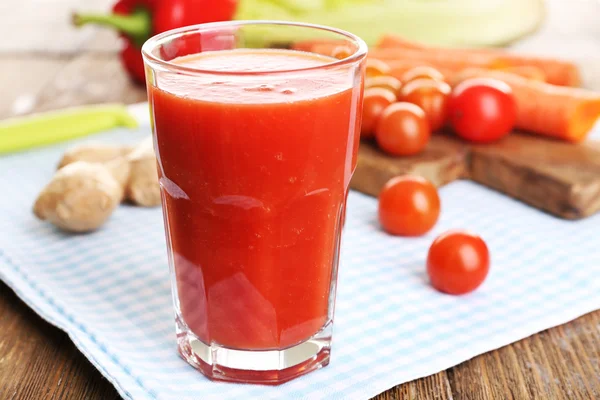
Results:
434 387
38 361
561 178
554 176
557 363
443 161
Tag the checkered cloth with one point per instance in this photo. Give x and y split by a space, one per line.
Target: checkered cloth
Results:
110 292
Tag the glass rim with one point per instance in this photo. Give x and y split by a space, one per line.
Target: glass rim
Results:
157 40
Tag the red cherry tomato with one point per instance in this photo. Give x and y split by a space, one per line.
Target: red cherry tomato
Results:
402 129
432 96
458 262
422 72
341 52
482 110
386 82
375 100
408 206
376 68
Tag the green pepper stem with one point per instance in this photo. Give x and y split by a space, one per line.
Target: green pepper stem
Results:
137 25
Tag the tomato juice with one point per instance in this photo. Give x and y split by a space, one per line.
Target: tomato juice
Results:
254 170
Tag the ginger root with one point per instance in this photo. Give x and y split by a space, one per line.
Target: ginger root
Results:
93 179
95 153
121 171
133 167
113 156
143 188
79 198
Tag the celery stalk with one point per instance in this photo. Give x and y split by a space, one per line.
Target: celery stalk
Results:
42 129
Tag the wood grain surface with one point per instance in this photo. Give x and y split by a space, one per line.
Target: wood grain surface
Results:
557 177
38 361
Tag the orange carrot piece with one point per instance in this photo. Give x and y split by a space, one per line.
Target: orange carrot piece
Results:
399 68
558 72
437 59
527 71
560 112
392 41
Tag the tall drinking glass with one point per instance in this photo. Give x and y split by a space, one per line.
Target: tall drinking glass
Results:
256 130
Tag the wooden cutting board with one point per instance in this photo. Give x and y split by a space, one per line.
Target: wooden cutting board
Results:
560 178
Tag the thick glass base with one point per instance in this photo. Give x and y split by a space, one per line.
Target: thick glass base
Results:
270 367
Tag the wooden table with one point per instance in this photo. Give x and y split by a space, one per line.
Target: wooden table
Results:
45 65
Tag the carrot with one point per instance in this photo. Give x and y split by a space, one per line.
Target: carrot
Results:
399 68
560 112
436 59
527 71
391 41
558 72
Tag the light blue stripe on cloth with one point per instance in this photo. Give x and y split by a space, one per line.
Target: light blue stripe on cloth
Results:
110 290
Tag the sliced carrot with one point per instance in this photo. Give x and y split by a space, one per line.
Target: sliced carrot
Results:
557 72
560 112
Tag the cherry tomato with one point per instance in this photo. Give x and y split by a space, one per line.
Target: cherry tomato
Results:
387 82
376 68
432 96
482 110
402 129
423 72
341 52
458 262
375 100
408 206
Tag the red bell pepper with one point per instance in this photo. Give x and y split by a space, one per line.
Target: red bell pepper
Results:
138 20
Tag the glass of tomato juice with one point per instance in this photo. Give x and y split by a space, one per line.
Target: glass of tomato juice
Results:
256 129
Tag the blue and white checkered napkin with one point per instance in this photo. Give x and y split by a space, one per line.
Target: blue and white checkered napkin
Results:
110 292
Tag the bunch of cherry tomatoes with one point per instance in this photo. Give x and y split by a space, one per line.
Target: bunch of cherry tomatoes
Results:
401 114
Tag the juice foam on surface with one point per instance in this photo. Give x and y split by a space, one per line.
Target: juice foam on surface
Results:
253 89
